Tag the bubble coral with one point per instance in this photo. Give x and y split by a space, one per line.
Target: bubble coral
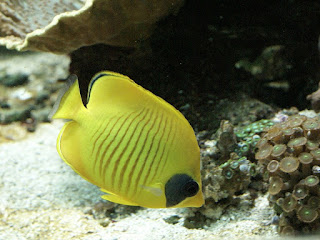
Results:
289 155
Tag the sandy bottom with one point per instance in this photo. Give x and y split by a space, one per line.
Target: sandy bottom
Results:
42 198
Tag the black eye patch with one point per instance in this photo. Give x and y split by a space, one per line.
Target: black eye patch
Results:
178 188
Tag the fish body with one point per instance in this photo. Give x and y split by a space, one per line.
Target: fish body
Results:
134 145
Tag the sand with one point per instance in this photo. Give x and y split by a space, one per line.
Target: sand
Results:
42 198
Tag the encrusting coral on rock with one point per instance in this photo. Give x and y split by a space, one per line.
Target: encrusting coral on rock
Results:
63 26
228 164
290 155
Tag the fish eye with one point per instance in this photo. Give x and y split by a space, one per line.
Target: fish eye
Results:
191 188
178 188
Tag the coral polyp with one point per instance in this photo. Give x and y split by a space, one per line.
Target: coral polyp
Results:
300 191
289 204
296 120
307 214
273 166
305 158
314 202
311 181
264 152
275 186
289 155
289 164
278 150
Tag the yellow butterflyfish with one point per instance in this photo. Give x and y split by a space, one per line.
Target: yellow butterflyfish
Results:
129 142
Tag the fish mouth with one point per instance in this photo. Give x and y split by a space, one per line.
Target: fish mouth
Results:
195 201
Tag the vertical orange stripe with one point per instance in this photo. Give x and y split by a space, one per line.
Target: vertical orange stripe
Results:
173 136
104 166
163 151
127 162
133 168
116 163
95 145
151 165
96 157
148 152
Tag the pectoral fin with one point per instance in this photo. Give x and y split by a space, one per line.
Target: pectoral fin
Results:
155 190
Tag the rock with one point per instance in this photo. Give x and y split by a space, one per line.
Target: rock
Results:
14 80
33 25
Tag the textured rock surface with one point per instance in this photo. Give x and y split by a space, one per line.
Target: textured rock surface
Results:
65 25
30 100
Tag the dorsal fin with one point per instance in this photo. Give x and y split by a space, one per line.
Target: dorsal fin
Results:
97 77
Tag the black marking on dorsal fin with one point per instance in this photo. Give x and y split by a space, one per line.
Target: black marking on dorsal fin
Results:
93 80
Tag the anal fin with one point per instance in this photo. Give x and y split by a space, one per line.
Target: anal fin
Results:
117 199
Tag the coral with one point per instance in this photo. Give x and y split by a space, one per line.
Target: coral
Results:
237 171
249 135
241 140
231 171
226 139
63 26
314 98
290 157
224 172
223 181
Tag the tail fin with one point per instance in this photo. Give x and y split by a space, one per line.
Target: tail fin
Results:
69 100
